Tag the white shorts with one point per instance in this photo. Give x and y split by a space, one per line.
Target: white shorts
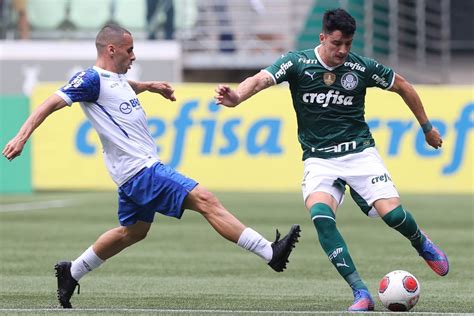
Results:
364 172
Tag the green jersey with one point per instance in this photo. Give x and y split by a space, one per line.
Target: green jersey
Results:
330 101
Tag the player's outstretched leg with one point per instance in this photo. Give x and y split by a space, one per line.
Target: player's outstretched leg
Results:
66 283
362 301
282 248
402 221
434 257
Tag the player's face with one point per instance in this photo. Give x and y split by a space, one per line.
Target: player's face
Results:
124 55
335 47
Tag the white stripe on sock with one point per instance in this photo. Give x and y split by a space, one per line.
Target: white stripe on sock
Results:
322 216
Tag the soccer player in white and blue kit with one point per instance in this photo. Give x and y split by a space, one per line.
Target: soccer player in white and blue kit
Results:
145 185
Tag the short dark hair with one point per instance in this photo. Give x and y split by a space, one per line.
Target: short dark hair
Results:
339 20
110 33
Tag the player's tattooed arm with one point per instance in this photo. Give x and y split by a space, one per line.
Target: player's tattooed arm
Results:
268 81
247 88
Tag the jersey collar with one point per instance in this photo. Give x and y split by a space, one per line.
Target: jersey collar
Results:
322 62
108 74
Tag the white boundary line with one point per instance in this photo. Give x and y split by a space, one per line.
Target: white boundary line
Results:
37 205
210 311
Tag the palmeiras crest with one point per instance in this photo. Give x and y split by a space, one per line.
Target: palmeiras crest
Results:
349 81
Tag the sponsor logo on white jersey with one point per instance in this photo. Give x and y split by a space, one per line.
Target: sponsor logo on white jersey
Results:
283 68
76 82
355 66
127 107
324 99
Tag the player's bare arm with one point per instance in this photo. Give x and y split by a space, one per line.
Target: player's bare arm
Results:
160 87
247 88
15 146
412 99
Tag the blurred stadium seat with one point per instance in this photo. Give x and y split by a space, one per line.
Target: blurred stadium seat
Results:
91 14
130 14
47 14
186 14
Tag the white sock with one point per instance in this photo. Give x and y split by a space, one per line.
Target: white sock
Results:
85 263
256 243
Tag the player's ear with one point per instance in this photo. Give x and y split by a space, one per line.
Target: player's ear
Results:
321 37
111 49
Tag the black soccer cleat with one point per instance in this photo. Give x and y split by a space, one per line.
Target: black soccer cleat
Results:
66 283
282 248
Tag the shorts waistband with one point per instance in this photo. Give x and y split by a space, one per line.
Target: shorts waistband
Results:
139 173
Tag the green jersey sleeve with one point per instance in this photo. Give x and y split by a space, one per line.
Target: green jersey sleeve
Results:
381 76
284 68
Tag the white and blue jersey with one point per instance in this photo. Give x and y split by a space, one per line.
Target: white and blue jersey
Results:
145 185
112 106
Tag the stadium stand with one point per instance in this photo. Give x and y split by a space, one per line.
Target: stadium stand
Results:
134 19
47 15
91 15
245 35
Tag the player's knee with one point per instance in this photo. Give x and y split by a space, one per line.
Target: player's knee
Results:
385 206
131 236
395 217
323 219
206 202
137 236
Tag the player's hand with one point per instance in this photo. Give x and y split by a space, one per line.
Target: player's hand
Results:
226 96
433 138
13 149
163 88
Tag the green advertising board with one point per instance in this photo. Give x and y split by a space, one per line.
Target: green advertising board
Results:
15 175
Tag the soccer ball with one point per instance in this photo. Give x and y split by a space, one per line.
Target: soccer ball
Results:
399 291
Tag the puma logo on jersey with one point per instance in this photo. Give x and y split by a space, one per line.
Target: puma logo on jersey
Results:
324 99
310 74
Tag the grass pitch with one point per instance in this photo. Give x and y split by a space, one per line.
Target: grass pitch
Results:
184 267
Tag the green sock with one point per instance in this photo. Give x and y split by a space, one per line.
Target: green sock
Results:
333 244
403 222
355 281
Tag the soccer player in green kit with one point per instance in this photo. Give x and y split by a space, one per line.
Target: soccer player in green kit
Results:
328 86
